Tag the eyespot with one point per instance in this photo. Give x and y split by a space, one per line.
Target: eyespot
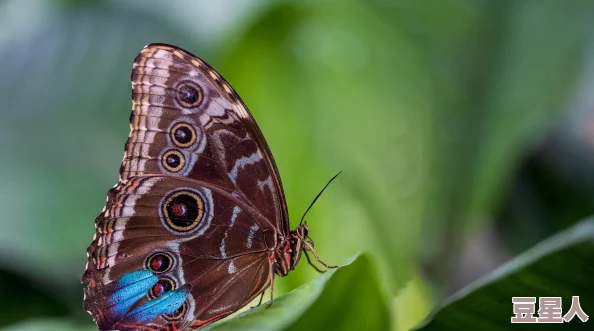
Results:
183 210
164 284
178 314
189 94
183 135
173 160
159 263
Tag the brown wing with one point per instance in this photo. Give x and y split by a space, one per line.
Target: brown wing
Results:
174 92
220 256
185 236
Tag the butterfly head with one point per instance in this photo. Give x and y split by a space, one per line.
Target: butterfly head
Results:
302 231
289 251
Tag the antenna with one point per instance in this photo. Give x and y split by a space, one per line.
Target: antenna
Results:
317 196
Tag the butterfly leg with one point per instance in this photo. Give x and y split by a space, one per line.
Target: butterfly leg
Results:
260 301
271 276
271 290
310 248
313 265
271 293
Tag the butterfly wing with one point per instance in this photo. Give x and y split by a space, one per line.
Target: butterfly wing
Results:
211 255
175 92
185 236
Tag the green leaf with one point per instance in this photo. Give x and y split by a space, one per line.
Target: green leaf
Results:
560 266
502 71
25 298
50 325
348 298
553 188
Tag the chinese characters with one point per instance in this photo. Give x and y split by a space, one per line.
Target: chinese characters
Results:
549 310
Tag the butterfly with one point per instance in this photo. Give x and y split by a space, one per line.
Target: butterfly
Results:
197 226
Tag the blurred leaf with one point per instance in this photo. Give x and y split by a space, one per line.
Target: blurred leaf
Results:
502 70
412 304
560 266
553 187
77 3
50 325
348 298
23 298
211 22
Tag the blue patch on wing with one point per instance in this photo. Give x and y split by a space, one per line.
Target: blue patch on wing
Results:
133 277
167 303
131 288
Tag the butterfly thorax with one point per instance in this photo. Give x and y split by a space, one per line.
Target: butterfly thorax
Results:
288 251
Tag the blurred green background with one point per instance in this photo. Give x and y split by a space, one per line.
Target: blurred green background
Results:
464 130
